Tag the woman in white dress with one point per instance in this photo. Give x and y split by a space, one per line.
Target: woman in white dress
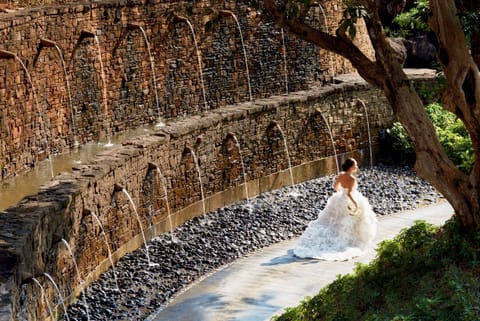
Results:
345 227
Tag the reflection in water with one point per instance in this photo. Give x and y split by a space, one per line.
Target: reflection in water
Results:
15 189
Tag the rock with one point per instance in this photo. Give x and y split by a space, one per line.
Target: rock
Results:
399 47
421 51
232 232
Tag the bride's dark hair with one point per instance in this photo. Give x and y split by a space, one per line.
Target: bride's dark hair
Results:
349 162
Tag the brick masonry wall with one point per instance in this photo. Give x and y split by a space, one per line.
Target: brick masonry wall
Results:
115 75
166 160
40 114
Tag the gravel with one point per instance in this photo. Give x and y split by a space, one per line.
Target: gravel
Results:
205 244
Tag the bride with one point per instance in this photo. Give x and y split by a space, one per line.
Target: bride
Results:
345 227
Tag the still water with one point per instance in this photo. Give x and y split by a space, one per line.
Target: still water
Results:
15 189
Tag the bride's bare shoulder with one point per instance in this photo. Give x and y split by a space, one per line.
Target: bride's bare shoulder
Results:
346 179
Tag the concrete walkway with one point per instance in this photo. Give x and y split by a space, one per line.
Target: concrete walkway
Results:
263 284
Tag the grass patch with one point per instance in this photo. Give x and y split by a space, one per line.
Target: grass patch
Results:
425 273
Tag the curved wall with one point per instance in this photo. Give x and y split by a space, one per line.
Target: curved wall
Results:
82 72
108 82
33 234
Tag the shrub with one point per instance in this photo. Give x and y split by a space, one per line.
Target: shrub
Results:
451 133
425 273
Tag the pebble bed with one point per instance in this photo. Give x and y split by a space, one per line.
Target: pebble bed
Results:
205 244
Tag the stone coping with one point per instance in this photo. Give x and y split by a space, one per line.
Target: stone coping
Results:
59 199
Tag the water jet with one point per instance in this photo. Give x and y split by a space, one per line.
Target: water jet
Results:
227 13
42 289
179 19
165 191
132 27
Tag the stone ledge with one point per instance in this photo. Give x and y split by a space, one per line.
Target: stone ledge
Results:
59 209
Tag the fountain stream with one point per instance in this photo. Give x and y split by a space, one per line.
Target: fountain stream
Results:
49 44
295 193
169 216
152 65
197 166
104 84
9 55
284 61
49 277
42 114
88 34
183 19
329 53
140 224
228 12
102 72
368 130
72 108
331 138
108 248
44 297
78 275
237 144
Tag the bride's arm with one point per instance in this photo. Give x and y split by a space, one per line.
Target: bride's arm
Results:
351 197
351 184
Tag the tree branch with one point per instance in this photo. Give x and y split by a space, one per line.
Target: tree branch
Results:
369 70
462 95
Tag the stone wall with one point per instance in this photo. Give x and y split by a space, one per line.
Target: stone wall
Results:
128 63
82 72
76 207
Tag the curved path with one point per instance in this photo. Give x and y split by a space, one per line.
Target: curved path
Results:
263 284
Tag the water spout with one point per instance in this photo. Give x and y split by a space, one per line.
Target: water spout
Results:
330 55
284 61
230 13
132 27
368 130
48 276
85 34
237 144
273 123
178 19
165 192
108 247
9 55
197 166
51 44
4 54
78 275
47 43
318 111
132 203
44 297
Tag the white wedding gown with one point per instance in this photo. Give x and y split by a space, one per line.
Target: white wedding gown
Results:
339 234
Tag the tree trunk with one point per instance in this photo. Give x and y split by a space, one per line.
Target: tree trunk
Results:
432 164
462 96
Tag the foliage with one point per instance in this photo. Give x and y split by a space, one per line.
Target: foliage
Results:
396 145
351 14
425 273
411 22
452 135
432 92
470 21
